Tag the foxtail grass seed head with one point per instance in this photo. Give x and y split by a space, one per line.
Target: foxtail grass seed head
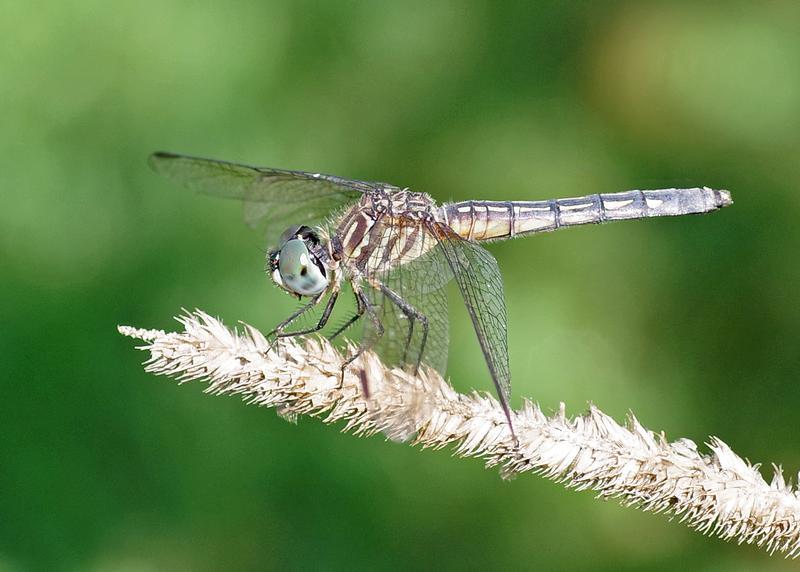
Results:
717 493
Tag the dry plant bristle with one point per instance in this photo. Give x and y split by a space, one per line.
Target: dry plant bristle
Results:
718 493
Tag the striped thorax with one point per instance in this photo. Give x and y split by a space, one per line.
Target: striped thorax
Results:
386 229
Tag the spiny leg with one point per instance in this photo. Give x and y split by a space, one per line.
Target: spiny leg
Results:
365 344
291 318
360 309
322 320
407 345
413 315
278 332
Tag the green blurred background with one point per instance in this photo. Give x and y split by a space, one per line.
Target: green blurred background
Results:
691 323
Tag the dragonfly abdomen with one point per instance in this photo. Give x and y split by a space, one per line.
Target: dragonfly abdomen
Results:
497 220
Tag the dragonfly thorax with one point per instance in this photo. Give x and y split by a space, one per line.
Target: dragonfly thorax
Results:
298 264
385 229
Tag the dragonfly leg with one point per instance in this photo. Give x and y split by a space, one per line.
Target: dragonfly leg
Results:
360 309
365 344
278 331
413 316
322 321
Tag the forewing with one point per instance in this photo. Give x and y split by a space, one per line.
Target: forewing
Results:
406 258
273 198
478 277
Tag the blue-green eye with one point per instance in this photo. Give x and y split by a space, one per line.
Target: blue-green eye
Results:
298 271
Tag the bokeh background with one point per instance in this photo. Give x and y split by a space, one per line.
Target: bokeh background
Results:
691 323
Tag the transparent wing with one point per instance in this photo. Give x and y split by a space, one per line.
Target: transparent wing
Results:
269 195
478 277
406 259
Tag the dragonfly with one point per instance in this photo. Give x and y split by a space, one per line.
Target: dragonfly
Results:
399 250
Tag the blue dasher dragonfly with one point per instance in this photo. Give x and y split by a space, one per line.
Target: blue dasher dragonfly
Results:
399 250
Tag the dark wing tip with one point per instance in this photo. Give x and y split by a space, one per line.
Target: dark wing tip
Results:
156 159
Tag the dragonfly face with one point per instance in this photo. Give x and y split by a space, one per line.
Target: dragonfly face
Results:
296 266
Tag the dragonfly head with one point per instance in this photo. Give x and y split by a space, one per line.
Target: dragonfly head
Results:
295 267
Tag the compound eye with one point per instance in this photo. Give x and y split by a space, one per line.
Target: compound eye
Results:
288 235
299 271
